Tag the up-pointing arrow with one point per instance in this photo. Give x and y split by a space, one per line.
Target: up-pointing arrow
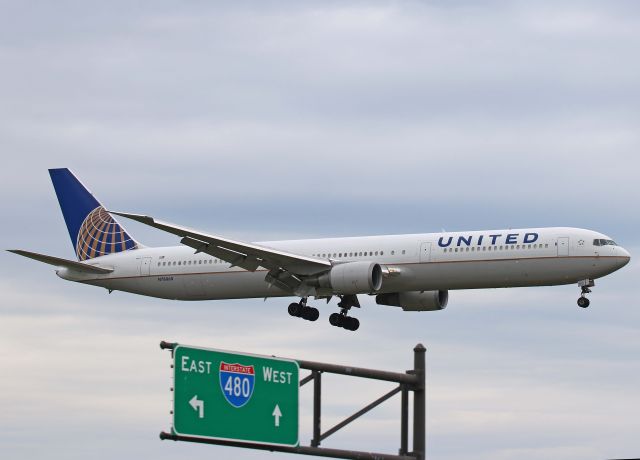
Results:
276 415
197 405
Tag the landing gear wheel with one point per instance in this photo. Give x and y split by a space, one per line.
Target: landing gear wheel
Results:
583 302
351 323
310 313
295 309
335 319
346 322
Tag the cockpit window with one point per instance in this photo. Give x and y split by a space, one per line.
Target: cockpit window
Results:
603 242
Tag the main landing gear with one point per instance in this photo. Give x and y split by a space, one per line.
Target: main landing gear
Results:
301 310
341 319
583 302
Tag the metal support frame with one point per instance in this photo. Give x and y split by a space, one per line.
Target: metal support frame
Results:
413 380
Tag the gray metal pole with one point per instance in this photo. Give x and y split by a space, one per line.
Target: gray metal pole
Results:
358 372
317 408
419 403
404 421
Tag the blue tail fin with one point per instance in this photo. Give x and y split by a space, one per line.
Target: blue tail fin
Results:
93 231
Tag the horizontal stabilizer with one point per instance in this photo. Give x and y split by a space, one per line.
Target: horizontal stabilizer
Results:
58 262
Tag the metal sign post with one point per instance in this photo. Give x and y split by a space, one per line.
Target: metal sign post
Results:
250 401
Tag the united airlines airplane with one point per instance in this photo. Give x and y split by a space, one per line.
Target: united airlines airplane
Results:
414 272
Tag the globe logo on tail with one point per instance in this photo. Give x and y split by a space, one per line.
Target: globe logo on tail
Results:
100 235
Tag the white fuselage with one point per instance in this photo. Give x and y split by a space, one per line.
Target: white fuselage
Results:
418 262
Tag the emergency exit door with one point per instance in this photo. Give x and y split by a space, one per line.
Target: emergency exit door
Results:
425 252
145 266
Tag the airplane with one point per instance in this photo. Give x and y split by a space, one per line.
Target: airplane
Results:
414 272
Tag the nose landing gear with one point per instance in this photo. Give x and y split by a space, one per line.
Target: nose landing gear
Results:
583 302
301 310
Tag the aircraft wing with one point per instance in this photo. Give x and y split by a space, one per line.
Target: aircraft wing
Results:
285 268
59 262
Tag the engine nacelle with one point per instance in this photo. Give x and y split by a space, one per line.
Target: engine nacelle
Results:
350 278
415 300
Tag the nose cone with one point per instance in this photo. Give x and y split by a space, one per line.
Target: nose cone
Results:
625 257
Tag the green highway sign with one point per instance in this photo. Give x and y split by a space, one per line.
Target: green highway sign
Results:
235 396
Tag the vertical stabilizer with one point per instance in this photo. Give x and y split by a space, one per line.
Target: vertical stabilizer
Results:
93 231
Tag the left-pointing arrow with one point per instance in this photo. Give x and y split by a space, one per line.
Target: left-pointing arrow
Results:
198 405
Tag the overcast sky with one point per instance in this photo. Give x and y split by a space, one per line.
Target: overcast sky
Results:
274 119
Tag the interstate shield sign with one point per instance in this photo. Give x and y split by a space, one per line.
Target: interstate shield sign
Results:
237 383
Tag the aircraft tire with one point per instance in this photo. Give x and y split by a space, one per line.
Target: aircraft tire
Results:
295 309
310 313
335 319
351 323
583 302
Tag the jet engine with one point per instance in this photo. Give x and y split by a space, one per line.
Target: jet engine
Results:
415 300
350 278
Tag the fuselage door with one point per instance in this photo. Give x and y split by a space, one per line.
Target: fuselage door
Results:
425 252
145 266
563 246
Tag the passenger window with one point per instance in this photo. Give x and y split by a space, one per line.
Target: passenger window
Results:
381 253
179 263
393 253
456 249
376 252
403 251
546 245
158 264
